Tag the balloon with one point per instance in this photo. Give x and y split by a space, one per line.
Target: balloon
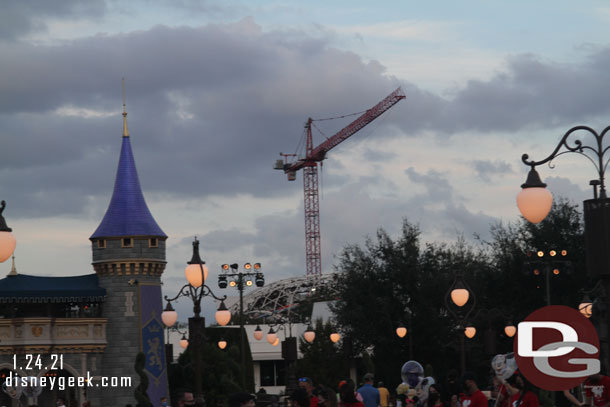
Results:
412 373
504 365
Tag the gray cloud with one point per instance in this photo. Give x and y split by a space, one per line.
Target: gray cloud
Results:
485 169
22 17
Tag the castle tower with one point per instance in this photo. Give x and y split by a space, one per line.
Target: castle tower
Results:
129 257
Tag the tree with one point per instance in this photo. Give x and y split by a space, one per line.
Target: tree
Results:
386 281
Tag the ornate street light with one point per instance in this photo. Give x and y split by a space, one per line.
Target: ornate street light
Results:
196 290
458 295
184 343
7 240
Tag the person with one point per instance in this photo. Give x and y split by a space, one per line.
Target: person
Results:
434 396
326 397
163 402
384 395
370 395
300 398
186 398
241 399
525 396
472 396
597 390
347 395
307 384
60 402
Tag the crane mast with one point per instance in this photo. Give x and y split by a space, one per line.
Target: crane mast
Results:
309 164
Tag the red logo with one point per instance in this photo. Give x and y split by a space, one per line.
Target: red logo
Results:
556 348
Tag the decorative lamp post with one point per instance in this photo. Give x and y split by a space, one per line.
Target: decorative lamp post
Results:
169 347
458 295
240 280
7 240
196 290
596 210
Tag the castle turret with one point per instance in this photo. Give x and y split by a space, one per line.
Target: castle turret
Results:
129 259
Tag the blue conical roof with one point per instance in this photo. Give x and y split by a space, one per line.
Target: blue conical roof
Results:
127 214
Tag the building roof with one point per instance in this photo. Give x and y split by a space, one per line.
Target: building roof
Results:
127 214
25 288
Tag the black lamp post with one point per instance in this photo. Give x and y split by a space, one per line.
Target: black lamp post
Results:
7 240
456 301
241 280
196 273
169 347
535 201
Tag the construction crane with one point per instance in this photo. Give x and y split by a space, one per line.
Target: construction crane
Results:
309 164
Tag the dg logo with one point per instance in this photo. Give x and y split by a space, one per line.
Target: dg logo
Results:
556 348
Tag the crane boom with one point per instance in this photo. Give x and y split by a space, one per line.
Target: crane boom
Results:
310 175
319 153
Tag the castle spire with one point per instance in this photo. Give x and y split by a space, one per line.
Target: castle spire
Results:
13 269
125 130
127 214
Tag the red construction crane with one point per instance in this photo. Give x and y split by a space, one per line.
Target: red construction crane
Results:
309 164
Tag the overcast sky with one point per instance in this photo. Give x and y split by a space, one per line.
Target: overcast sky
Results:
216 89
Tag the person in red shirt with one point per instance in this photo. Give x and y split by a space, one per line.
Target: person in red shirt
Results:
597 390
525 396
472 396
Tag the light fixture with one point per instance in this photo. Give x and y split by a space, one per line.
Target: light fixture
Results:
249 283
225 267
259 279
258 333
222 344
248 266
233 283
309 334
510 330
184 343
534 200
196 272
459 293
257 266
556 271
540 253
271 336
7 240
586 307
222 281
401 331
276 342
470 332
334 337
223 315
169 316
552 253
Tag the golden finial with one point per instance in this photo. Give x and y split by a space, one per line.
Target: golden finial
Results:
13 269
125 131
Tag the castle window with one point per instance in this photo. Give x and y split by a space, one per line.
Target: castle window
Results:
101 243
127 242
153 242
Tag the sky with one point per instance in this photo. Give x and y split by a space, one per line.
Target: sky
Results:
215 90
